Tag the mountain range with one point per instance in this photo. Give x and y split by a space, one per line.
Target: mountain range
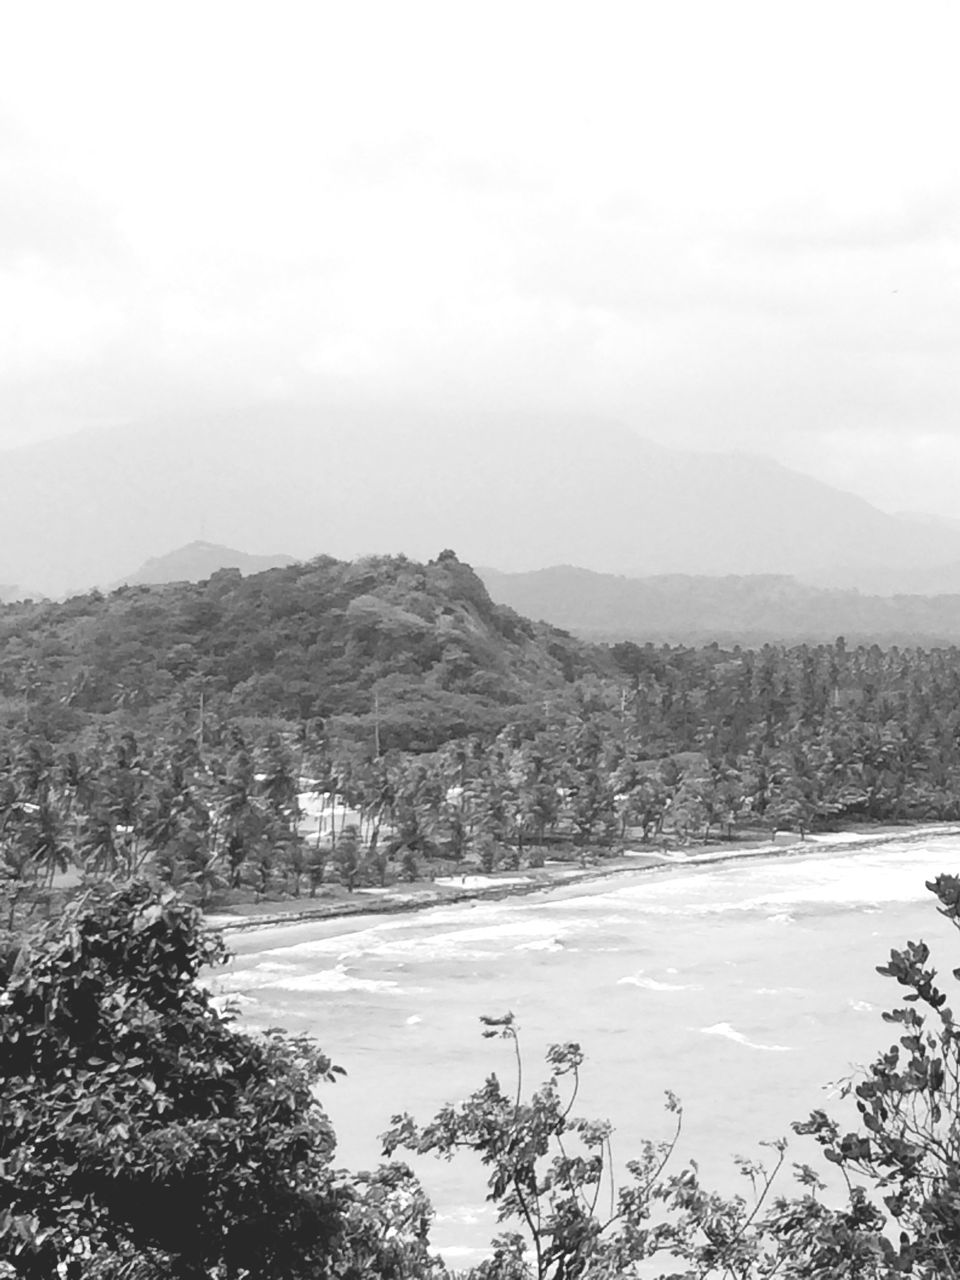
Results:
513 492
750 610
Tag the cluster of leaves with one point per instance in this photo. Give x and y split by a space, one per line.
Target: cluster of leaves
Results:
135 1121
820 731
143 1135
115 809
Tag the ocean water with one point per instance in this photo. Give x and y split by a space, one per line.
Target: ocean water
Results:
748 988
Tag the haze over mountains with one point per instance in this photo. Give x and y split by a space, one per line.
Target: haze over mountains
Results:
197 561
754 610
514 493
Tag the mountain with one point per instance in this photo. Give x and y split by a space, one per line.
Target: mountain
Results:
513 492
940 578
745 610
929 518
378 649
197 561
928 580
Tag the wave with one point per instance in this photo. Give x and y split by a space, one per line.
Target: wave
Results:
785 891
727 1032
420 941
821 879
653 984
226 1002
480 882
465 1214
337 980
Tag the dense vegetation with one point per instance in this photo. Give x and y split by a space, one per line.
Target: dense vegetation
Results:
178 728
144 1136
382 648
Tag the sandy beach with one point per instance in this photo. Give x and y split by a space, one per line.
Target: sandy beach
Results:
470 886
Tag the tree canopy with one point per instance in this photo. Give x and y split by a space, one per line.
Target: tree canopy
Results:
446 728
420 650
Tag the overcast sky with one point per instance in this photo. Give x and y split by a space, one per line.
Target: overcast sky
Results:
726 224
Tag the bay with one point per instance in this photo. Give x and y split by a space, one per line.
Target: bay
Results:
747 987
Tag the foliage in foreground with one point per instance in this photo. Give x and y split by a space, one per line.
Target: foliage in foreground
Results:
551 1179
142 1135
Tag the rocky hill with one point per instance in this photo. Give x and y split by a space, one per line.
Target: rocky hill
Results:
378 649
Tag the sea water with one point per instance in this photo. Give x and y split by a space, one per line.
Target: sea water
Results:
749 988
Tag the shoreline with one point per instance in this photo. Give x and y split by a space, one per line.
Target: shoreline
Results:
447 892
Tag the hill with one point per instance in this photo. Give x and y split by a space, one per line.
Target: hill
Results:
9 591
934 580
516 493
197 561
750 610
381 649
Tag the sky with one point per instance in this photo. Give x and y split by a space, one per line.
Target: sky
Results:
728 225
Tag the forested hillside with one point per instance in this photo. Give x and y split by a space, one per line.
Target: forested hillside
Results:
406 654
175 730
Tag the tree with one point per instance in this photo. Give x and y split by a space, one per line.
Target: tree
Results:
137 1123
32 847
347 858
240 820
415 812
550 1172
909 1104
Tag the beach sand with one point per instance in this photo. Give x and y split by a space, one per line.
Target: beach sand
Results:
421 895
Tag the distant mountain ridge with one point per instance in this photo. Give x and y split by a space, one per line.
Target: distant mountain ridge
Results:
515 492
933 580
197 561
696 610
9 591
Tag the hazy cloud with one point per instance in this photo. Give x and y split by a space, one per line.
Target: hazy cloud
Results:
727 225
